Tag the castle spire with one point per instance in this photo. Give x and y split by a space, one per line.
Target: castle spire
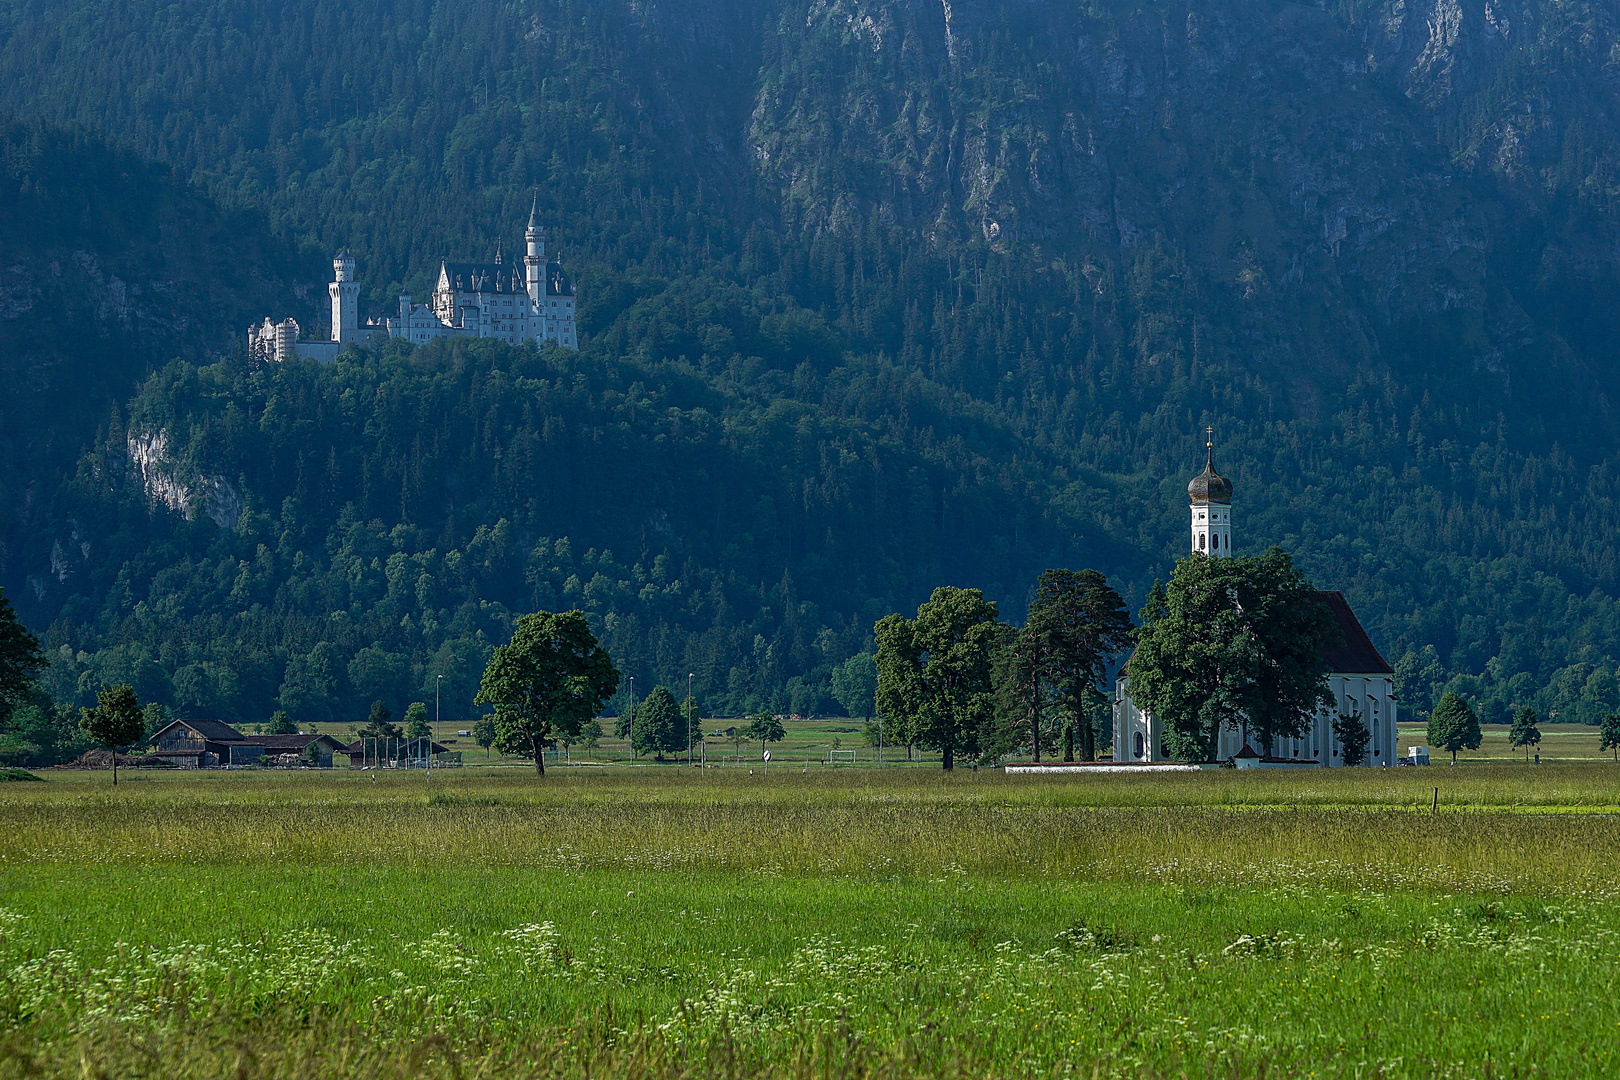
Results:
534 237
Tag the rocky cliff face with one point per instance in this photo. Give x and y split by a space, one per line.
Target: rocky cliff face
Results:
1333 179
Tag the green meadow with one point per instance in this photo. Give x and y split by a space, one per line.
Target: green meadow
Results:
647 922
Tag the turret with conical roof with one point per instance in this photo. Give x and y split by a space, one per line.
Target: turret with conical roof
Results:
1210 494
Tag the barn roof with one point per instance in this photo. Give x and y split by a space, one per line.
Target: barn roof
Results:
284 742
211 730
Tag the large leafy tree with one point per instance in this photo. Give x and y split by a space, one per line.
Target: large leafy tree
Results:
1081 624
1232 643
115 721
1454 725
935 672
21 661
549 680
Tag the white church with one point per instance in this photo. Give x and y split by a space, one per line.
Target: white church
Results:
534 302
1361 681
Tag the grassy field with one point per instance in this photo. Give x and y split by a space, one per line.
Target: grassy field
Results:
830 923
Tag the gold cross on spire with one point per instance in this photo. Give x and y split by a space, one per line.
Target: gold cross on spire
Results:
1210 431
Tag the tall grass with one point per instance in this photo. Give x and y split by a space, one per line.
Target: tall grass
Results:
674 924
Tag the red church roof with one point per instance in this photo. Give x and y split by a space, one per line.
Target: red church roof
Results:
1357 655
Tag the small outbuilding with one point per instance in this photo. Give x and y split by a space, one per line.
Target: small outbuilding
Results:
367 752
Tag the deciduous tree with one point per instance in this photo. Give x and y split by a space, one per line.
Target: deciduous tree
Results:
658 724
854 685
115 721
484 734
767 728
21 661
280 724
1609 735
551 678
1453 725
1524 732
934 672
416 721
1236 644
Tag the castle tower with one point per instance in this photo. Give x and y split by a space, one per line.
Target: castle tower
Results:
1210 494
534 263
345 293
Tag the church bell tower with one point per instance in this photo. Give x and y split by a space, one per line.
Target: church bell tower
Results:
1210 494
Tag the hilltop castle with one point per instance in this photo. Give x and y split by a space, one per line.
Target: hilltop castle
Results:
492 300
1361 681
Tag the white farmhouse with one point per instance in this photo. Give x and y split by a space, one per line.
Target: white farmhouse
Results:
1362 682
534 302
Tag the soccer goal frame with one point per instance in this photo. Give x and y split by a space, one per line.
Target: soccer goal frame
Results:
834 755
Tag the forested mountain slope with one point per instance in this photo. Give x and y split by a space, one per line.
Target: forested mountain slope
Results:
109 268
996 265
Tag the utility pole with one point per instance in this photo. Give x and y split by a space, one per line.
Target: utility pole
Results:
690 708
630 729
438 684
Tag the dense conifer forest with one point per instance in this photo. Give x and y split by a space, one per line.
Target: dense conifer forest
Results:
873 298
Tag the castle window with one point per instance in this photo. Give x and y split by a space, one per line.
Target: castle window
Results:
1140 746
1200 541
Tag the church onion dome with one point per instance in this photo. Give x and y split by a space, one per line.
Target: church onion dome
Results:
1209 486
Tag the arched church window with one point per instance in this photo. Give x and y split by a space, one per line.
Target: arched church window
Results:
1200 541
1139 744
